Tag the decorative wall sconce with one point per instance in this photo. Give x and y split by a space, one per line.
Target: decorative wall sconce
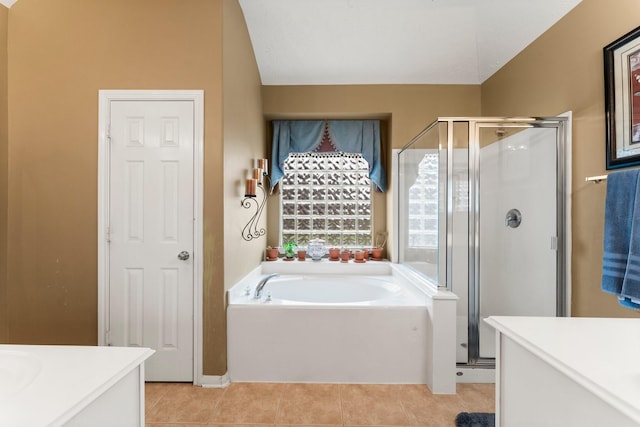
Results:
254 185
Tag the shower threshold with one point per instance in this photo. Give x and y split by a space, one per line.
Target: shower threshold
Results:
484 373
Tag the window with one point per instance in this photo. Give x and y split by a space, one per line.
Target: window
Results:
423 202
326 196
423 205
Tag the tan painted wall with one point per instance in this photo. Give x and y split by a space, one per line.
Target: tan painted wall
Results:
409 109
60 54
561 71
243 142
4 132
244 130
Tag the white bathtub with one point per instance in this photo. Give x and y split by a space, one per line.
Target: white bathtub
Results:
333 290
341 323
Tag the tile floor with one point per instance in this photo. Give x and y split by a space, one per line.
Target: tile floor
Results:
276 404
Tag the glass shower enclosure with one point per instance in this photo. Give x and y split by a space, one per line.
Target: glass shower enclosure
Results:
482 211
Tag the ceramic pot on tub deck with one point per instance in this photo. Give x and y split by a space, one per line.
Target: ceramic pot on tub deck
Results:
376 253
302 255
334 254
316 249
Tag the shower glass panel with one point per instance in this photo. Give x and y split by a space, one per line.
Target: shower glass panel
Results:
517 230
481 205
459 233
422 178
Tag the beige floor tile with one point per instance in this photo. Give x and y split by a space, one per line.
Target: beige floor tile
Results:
184 403
301 425
478 397
427 409
372 405
153 392
176 425
304 404
240 425
250 403
309 405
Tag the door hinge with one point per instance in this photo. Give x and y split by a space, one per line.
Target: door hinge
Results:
107 337
108 234
554 243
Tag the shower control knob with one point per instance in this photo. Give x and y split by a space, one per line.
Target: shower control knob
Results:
183 256
513 218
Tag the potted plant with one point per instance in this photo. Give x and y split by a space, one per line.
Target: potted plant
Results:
376 252
272 253
289 250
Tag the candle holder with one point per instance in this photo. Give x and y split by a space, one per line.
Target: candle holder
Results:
253 187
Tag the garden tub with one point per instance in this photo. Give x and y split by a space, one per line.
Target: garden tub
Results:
328 322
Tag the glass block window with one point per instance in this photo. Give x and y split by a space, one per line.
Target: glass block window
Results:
326 196
423 205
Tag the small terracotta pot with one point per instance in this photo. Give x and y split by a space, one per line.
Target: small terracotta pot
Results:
359 255
376 253
272 253
334 253
302 255
345 255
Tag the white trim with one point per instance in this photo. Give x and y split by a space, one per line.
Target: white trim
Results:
215 381
567 209
105 98
395 205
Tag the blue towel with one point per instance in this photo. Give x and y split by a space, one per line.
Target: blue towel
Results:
630 294
618 212
621 259
629 303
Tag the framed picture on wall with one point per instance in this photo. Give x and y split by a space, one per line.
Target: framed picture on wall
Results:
622 100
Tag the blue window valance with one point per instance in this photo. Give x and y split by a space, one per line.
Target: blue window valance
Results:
346 136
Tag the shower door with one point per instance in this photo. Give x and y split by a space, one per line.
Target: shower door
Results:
516 188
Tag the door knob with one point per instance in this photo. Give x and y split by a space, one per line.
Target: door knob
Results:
183 256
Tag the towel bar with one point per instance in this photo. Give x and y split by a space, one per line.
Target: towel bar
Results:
596 179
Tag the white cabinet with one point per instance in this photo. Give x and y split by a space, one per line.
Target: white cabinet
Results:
72 386
567 371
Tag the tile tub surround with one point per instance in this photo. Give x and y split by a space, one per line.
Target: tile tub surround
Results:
288 404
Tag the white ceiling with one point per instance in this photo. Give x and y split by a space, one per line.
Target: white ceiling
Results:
319 42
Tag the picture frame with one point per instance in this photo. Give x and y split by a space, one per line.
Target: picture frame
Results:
622 100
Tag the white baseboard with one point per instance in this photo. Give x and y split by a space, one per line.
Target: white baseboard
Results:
215 381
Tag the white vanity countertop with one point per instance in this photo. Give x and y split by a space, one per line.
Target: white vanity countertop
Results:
48 385
601 354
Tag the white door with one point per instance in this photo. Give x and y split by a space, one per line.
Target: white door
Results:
151 222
